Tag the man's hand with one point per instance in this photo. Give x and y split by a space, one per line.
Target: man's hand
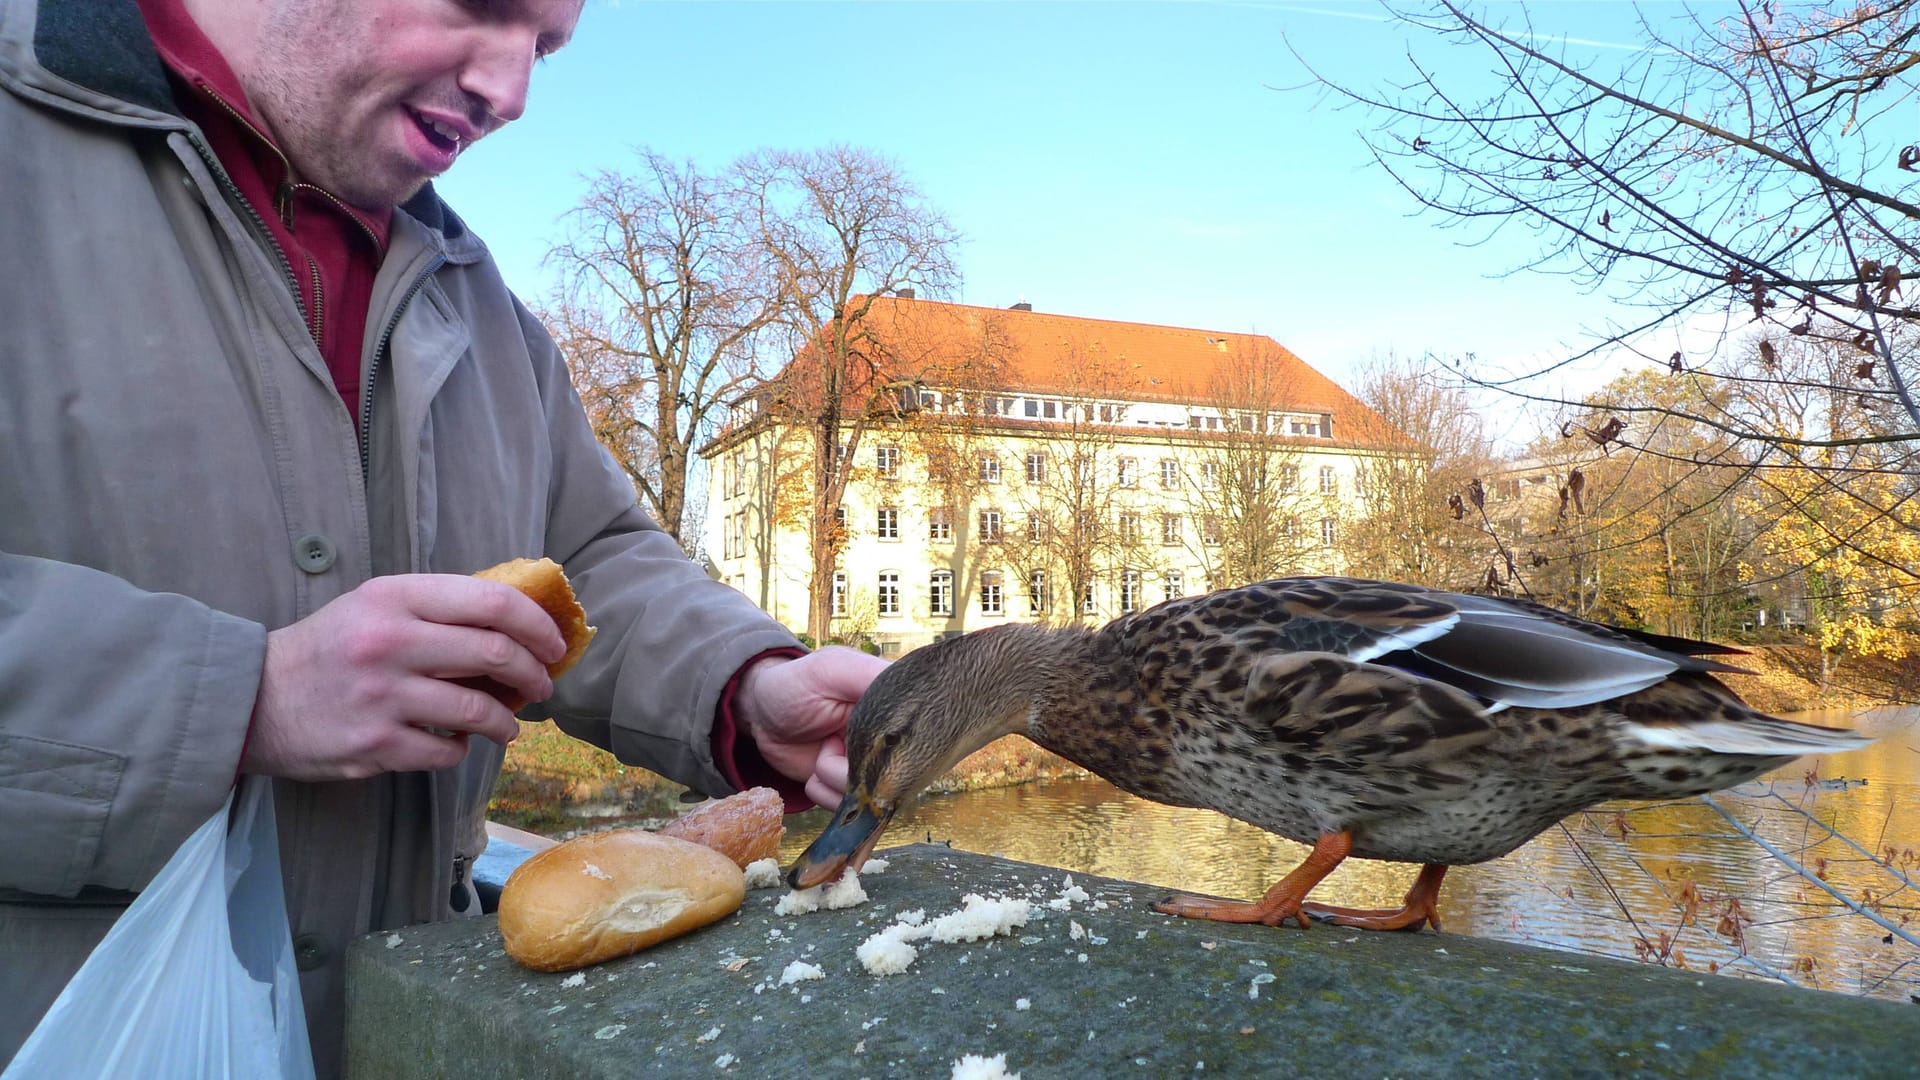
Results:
796 710
353 689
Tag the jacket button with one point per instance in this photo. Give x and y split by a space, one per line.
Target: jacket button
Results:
313 553
308 952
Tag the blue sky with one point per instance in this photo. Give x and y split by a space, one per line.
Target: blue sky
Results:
1137 161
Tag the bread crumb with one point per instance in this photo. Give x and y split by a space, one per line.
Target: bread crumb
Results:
1075 930
874 866
981 918
1259 980
833 896
393 941
912 918
799 971
593 871
611 1031
763 874
1069 895
885 954
723 1061
577 979
710 1034
977 1067
1022 1004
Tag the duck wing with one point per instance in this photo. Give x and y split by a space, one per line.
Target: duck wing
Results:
1505 653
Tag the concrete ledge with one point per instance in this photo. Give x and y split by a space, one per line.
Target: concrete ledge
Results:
1132 994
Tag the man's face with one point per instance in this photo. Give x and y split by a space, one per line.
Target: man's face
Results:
373 98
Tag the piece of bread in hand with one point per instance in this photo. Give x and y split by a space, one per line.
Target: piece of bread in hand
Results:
744 827
546 584
610 894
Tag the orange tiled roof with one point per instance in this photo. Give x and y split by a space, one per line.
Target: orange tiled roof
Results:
1049 353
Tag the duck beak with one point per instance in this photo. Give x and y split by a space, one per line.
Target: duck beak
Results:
848 839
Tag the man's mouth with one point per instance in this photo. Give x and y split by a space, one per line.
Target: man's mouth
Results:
442 135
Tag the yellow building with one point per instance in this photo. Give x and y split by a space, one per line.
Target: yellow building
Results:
1073 470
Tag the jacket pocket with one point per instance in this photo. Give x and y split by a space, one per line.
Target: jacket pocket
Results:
54 799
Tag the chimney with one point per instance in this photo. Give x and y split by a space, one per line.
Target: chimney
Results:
904 292
1021 306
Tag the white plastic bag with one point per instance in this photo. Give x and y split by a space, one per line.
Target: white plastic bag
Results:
197 978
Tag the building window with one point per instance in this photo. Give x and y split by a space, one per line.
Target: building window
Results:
940 524
991 601
1036 468
990 468
886 460
1289 478
1209 475
1129 527
1329 481
989 526
1129 591
889 594
1126 472
1170 528
1039 593
1086 599
1176 583
839 593
940 593
1169 473
1298 426
1036 528
887 523
1329 531
1210 530
1083 469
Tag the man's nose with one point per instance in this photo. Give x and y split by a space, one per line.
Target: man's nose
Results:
498 74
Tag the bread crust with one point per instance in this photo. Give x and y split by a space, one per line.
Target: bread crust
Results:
611 894
546 584
744 827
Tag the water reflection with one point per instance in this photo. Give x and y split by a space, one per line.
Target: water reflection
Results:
1676 883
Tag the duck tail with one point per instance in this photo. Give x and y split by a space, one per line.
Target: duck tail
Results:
1751 734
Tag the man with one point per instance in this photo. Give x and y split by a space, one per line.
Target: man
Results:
264 402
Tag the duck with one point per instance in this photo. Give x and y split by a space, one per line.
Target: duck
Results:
1366 719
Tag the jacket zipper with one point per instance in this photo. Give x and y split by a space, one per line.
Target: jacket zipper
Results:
316 320
373 365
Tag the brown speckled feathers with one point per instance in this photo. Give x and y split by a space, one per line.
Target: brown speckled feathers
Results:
1435 727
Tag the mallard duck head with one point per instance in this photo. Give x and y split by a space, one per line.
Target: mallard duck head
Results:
917 719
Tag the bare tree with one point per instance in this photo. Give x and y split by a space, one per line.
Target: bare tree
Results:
1439 446
1751 167
1251 502
842 228
664 294
1745 181
1079 521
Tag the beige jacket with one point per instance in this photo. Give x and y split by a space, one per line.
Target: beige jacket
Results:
177 476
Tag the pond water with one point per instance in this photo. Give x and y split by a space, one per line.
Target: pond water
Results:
1688 884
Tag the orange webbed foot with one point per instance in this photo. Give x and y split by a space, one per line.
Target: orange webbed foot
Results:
1421 907
1284 901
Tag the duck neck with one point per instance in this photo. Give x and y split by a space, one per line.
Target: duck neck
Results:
1041 666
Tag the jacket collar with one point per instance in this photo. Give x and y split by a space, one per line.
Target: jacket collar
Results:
102 62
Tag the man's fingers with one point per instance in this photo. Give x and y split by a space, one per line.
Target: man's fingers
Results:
831 765
454 600
462 710
467 653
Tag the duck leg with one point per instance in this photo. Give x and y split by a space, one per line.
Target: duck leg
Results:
1421 907
1282 902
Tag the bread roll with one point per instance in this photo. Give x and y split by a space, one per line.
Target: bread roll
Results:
743 827
546 584
610 894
